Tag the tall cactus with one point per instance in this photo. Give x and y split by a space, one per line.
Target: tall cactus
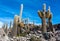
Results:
44 19
15 25
45 15
42 15
49 16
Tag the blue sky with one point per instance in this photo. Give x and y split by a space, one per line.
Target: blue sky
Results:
9 8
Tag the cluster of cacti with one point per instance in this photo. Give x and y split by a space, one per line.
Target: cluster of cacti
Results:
45 15
18 23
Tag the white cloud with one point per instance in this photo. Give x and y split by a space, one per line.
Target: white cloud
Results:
38 23
30 22
1 24
6 19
